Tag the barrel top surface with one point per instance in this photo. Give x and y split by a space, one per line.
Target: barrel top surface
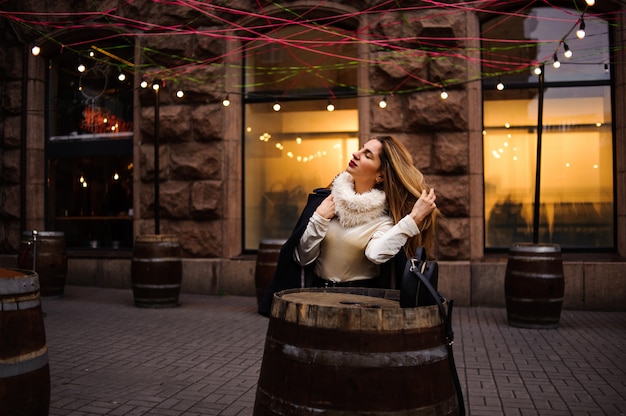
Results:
12 273
339 300
535 248
360 309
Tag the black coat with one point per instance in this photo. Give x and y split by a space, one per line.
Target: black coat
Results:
288 271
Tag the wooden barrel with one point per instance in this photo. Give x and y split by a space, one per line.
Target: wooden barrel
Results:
24 369
534 285
347 351
266 261
156 271
50 260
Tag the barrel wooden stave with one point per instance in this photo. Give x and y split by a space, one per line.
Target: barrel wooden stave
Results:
156 271
265 267
360 356
24 368
51 260
534 286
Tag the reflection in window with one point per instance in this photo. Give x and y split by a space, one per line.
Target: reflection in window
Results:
576 190
290 152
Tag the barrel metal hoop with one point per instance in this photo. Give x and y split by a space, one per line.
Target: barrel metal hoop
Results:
155 259
19 305
536 275
153 286
24 364
366 360
535 300
19 285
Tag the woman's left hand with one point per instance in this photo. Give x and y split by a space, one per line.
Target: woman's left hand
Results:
423 206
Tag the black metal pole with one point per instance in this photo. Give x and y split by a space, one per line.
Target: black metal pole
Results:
157 225
536 211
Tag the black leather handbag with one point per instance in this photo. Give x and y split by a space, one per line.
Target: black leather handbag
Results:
419 288
414 291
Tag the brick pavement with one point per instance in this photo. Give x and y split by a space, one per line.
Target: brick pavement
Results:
108 357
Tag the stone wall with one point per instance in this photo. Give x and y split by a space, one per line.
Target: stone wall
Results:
11 138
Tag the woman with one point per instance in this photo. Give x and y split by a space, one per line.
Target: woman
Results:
378 209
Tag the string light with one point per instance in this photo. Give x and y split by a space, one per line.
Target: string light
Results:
144 84
606 68
444 93
500 85
276 107
538 70
580 33
121 76
36 50
180 93
556 64
383 103
568 52
330 106
81 68
156 86
226 101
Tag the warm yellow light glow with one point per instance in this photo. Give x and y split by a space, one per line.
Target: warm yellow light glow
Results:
36 50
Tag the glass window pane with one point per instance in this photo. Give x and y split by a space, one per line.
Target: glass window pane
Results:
576 197
288 154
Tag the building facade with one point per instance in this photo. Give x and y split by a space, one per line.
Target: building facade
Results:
185 94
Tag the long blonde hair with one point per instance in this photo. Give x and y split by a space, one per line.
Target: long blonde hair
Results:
403 184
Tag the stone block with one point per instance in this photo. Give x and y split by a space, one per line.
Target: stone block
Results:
201 276
574 297
237 277
488 284
455 281
605 286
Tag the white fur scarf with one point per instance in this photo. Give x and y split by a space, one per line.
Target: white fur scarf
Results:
354 209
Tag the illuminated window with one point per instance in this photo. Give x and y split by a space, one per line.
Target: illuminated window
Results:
576 198
293 142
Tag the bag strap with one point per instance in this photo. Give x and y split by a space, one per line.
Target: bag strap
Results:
447 324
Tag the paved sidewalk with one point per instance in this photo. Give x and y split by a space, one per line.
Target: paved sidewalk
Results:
108 357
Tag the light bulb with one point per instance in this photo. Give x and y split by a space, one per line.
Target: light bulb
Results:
121 76
330 106
383 103
36 50
568 53
556 64
580 33
180 93
81 68
156 86
144 84
537 70
500 86
226 102
444 94
590 2
276 106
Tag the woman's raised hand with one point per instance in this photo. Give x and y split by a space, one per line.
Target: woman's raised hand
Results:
423 206
327 208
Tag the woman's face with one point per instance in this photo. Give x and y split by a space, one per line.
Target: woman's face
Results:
365 164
